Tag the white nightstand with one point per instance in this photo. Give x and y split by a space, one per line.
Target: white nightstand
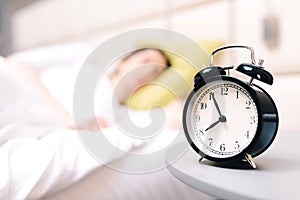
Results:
277 175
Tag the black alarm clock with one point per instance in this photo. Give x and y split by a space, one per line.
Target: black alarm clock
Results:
226 119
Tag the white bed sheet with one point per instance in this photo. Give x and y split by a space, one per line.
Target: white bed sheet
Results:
38 155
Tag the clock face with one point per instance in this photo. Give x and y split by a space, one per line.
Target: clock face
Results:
222 119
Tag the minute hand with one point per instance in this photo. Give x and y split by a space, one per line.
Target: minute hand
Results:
216 104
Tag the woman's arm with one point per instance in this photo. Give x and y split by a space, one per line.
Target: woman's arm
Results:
30 76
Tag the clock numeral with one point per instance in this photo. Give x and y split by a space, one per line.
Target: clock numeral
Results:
197 117
248 103
224 90
211 94
237 94
222 147
247 135
203 105
252 120
236 145
201 131
210 140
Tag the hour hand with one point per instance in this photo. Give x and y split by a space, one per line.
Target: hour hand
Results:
212 125
222 119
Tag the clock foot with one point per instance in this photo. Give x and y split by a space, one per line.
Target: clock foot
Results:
250 160
200 159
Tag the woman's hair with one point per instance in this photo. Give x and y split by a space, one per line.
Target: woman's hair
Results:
168 64
114 68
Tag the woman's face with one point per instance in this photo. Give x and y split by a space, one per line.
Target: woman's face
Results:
141 68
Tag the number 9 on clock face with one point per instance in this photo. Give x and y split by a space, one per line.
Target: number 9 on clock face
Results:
221 119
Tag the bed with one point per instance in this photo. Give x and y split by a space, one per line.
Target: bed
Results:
42 158
100 182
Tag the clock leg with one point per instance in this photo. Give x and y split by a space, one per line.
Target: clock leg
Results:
250 160
200 159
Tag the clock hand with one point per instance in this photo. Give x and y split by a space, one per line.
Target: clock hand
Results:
222 119
212 125
216 104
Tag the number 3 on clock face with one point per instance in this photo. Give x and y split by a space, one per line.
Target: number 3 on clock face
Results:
224 119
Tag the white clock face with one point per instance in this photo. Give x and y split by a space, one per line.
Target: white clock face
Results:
224 119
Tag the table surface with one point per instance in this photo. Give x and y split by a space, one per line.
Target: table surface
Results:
277 175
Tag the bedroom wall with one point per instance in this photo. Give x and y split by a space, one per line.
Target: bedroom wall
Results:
233 21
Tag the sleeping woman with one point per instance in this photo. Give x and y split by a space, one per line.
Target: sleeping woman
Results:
131 72
38 155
